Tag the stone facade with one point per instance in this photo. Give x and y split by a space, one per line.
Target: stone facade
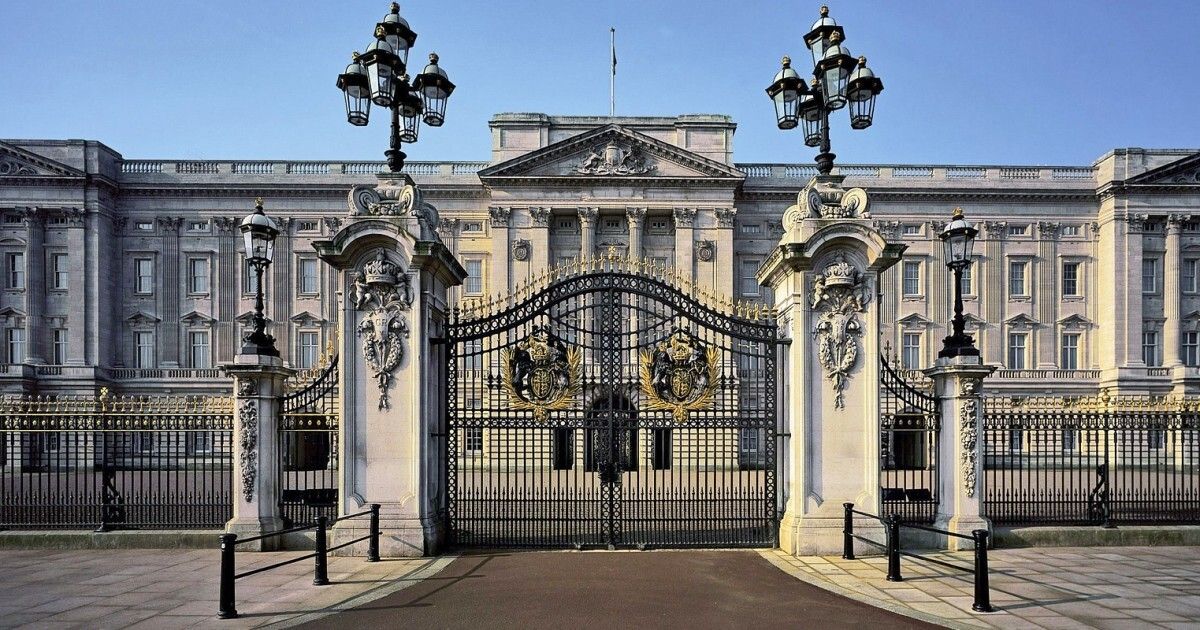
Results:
129 273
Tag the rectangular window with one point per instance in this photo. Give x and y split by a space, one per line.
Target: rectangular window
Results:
306 226
473 355
472 226
473 440
199 357
1070 439
968 283
12 219
612 224
1016 351
198 226
1070 230
751 442
145 441
16 345
658 225
249 278
197 275
1191 348
143 343
1016 439
306 350
1070 278
912 278
661 445
15 266
1150 354
1150 275
1018 230
910 351
912 230
201 442
59 356
564 448
308 275
52 442
60 278
748 281
1069 352
143 275
1188 283
750 228
1155 438
144 226
1016 278
474 281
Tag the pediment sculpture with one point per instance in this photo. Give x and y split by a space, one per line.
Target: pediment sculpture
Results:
839 294
614 158
384 291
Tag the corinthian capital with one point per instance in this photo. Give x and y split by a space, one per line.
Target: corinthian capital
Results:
499 216
540 216
684 217
725 217
635 215
588 215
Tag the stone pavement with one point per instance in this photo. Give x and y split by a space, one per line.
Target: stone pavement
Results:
100 589
1059 588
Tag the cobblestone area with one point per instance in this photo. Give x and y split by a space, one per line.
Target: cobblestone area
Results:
178 588
1058 588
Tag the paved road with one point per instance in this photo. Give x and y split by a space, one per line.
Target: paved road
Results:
661 589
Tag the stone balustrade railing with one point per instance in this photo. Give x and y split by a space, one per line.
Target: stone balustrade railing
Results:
919 172
1048 374
260 167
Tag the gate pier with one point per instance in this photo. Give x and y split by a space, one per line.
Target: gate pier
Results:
397 273
825 277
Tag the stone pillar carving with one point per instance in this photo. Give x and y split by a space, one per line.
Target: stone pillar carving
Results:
258 381
637 220
1045 295
824 277
587 231
993 290
398 273
726 267
539 259
35 285
958 383
79 300
501 281
171 328
1172 294
685 242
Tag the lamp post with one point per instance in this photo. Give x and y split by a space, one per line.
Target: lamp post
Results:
957 240
379 76
838 79
258 233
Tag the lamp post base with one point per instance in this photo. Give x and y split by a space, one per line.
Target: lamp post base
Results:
958 346
261 344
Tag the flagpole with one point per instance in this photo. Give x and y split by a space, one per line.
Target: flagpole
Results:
612 79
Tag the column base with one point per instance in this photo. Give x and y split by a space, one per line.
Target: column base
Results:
814 535
250 527
398 537
962 524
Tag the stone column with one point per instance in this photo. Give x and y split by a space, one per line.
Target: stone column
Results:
1172 294
258 383
539 257
993 290
77 269
637 219
587 232
726 263
1046 295
958 384
227 284
685 242
170 330
283 283
501 282
35 285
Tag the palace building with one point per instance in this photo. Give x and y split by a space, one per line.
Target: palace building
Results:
129 273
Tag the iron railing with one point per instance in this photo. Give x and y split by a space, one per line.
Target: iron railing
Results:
308 463
909 421
115 462
1092 460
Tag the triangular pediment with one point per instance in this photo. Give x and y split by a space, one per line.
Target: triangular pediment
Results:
17 162
1020 321
915 320
611 152
142 317
1192 315
974 322
1182 171
306 319
248 318
196 318
1075 321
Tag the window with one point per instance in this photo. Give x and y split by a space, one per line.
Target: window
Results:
16 345
59 279
1016 351
143 275
51 442
16 270
912 278
1070 439
1018 230
748 282
12 219
564 448
661 446
198 340
59 355
201 442
659 262
197 275
308 275
1070 278
1155 438
1068 356
910 351
1016 278
306 226
144 226
306 350
612 224
143 344
1016 439
473 355
473 440
912 230
472 226
967 282
145 441
249 278
1191 348
750 440
1150 275
198 226
659 225
1070 230
474 281
1188 284
750 228
1150 348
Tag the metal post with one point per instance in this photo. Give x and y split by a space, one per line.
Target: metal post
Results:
983 598
373 542
893 548
321 568
848 533
225 606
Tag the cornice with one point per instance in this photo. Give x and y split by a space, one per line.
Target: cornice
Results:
878 195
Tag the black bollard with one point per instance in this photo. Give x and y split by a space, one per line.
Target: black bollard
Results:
373 542
321 568
983 598
893 548
848 533
225 607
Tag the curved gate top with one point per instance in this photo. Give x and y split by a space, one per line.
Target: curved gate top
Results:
611 404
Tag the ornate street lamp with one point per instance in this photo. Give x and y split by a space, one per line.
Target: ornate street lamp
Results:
838 79
379 76
259 232
957 240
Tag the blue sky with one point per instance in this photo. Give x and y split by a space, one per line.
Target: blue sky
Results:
965 81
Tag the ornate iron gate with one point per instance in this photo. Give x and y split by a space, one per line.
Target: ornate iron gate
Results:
609 404
909 421
308 441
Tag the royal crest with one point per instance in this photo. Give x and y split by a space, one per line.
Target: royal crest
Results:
614 159
679 375
542 374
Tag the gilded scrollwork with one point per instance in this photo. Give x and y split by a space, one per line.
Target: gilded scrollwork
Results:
384 291
839 294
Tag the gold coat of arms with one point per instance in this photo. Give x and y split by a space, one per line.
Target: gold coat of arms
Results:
541 374
679 375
